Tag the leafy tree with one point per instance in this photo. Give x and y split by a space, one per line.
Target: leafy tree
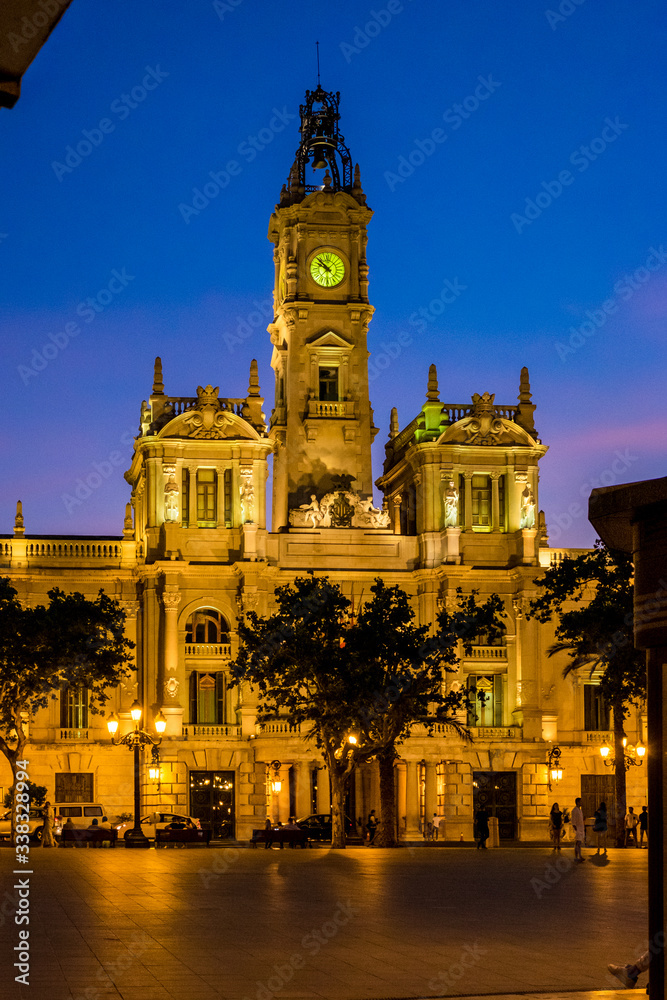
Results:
369 675
72 641
591 599
36 795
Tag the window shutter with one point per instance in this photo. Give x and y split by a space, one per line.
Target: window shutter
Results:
194 680
220 697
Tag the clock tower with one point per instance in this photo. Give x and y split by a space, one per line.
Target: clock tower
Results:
322 423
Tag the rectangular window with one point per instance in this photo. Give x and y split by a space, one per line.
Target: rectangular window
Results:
74 707
185 498
596 713
501 505
481 501
72 787
227 494
207 500
485 692
328 384
207 698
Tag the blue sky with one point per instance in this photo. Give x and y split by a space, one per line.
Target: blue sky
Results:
531 143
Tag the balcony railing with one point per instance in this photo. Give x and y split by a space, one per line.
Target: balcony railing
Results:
338 408
495 733
599 737
277 729
195 730
486 653
73 734
217 649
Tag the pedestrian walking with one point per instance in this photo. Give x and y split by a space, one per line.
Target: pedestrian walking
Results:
268 835
629 974
579 829
643 826
482 827
555 825
372 825
630 827
48 838
600 827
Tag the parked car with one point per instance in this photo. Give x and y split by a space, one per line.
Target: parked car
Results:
318 826
160 820
35 825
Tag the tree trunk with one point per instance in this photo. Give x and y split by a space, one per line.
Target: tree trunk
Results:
338 784
386 835
619 769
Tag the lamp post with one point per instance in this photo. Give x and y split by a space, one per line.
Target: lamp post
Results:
629 759
136 740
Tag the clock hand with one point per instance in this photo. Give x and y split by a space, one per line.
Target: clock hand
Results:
322 264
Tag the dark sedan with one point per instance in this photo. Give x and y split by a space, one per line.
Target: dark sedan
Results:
318 826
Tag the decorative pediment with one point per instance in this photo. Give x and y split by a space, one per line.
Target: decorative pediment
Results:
330 339
484 426
209 424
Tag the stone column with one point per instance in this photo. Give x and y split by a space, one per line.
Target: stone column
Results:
302 772
401 803
192 496
171 705
495 501
412 831
323 791
430 796
220 497
467 514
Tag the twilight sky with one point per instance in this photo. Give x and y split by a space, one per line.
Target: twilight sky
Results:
513 155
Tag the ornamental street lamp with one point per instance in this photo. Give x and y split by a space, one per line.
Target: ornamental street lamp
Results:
276 781
136 740
555 771
629 759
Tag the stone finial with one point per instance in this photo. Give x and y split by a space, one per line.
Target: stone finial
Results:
525 410
393 423
158 384
525 395
357 190
19 528
253 385
432 393
328 182
128 527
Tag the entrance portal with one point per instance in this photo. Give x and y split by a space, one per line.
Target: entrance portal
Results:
496 791
212 801
597 788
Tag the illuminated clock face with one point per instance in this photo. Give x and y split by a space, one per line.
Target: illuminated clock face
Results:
327 269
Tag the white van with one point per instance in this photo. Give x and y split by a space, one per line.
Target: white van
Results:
82 814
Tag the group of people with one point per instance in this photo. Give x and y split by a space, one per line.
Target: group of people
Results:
558 820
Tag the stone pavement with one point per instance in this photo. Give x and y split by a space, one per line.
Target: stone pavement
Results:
205 924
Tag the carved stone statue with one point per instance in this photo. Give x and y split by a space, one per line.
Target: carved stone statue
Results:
310 517
451 505
527 508
247 491
171 492
339 509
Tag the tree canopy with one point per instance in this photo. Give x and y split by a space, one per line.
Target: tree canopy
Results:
591 599
71 641
369 673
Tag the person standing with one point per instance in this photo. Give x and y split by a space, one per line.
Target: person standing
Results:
372 826
600 827
643 826
555 825
630 826
436 825
268 834
482 827
578 825
48 839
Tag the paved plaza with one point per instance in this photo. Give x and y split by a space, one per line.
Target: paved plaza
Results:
360 924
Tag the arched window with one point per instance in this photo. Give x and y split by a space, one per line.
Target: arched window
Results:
206 625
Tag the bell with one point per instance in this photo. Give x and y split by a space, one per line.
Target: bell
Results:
319 159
